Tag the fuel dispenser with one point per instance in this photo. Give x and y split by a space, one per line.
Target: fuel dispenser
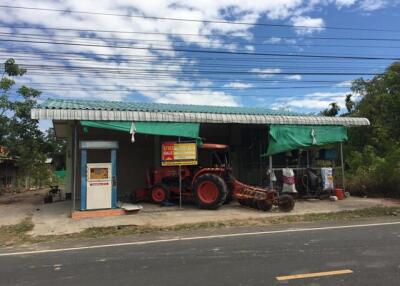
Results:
98 180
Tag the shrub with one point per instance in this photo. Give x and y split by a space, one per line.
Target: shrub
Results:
370 174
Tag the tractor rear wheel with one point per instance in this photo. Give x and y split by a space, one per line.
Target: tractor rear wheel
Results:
264 205
159 193
209 191
286 203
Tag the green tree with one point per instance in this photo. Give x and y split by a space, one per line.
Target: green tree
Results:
55 149
18 131
350 104
373 154
332 111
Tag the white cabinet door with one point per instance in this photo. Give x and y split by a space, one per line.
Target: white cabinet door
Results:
99 186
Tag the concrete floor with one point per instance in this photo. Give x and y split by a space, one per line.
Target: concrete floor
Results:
54 218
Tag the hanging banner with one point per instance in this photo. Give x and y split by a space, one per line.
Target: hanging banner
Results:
175 154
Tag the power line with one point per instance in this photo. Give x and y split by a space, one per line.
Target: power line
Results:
179 90
50 84
169 66
147 46
117 70
113 57
207 51
194 92
184 73
144 62
38 36
152 75
194 20
196 35
162 78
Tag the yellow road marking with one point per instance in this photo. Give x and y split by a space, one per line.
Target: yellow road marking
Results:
315 274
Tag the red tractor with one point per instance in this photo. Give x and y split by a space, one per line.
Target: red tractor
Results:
210 187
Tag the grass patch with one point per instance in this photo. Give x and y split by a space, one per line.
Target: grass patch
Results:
17 234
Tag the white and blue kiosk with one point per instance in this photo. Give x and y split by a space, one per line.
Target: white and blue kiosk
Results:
98 180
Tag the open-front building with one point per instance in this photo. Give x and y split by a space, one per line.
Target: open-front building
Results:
121 141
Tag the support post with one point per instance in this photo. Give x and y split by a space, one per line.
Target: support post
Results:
180 181
271 184
342 167
114 178
260 175
83 178
73 171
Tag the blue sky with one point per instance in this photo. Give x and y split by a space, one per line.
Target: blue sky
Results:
139 59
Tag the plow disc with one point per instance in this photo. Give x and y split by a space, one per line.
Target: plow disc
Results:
260 198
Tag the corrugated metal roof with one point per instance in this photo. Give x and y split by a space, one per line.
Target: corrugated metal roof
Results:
156 107
57 109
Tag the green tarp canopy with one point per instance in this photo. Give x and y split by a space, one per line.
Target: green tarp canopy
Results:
284 138
188 130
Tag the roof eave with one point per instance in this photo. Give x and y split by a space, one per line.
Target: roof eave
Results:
119 115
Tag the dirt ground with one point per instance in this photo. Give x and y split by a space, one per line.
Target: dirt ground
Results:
14 207
53 219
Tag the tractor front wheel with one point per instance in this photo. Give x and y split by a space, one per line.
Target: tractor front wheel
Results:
209 191
286 203
159 194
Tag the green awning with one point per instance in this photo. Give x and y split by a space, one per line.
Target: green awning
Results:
187 130
284 138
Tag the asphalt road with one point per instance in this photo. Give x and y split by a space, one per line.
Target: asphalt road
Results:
371 253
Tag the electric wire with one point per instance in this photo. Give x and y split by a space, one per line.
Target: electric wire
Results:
194 20
208 51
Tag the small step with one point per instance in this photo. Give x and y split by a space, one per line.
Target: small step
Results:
130 207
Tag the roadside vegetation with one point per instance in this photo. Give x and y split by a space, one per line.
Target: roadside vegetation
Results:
373 154
26 143
18 234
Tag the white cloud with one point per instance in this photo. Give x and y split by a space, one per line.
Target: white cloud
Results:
266 73
366 5
249 48
238 85
162 75
346 83
273 40
203 97
294 77
372 5
291 41
345 3
205 83
315 24
314 102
